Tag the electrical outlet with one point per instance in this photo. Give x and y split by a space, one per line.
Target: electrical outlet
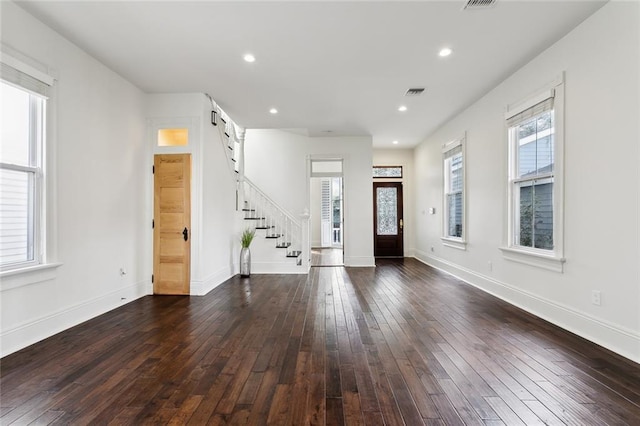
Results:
596 297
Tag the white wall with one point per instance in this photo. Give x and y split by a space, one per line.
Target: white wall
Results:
314 212
277 162
601 61
96 194
404 158
220 250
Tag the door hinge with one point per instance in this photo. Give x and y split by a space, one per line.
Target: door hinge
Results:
153 169
153 224
151 278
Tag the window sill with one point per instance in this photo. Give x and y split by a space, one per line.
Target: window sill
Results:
456 243
29 275
534 258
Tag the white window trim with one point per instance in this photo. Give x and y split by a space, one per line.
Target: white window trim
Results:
447 240
33 274
552 260
42 268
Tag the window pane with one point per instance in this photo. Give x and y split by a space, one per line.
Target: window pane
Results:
173 137
387 172
456 173
535 145
16 218
454 203
536 214
14 148
387 202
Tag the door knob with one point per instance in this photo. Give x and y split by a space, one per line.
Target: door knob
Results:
185 233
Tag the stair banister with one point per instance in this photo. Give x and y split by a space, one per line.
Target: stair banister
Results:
257 190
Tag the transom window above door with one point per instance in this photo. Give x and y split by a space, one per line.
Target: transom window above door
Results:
387 172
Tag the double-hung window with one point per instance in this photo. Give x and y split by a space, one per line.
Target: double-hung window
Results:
535 180
454 194
22 113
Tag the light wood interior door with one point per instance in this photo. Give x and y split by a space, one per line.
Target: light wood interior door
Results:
172 224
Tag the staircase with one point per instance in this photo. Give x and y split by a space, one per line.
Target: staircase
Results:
260 212
279 225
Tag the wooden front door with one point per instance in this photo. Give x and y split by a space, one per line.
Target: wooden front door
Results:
387 219
172 224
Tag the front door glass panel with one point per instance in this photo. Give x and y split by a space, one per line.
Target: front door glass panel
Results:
387 202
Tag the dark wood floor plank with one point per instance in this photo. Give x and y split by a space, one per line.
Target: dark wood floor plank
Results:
418 391
505 413
448 413
470 392
543 413
279 412
401 343
388 404
238 380
300 394
262 403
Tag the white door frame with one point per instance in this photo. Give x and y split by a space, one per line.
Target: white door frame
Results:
329 174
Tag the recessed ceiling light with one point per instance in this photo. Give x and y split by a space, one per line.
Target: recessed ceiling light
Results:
249 57
402 108
273 111
395 142
446 51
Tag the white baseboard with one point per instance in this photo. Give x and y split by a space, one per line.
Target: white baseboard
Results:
200 288
359 261
623 341
28 333
289 267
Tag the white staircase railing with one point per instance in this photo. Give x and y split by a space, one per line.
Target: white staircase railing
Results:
280 225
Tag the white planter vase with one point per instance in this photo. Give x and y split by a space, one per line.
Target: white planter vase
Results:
245 262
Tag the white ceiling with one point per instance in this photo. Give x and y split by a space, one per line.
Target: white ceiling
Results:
330 68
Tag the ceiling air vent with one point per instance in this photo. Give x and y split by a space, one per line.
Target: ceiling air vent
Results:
479 4
414 91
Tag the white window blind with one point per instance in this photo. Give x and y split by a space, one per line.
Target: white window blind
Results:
25 76
546 105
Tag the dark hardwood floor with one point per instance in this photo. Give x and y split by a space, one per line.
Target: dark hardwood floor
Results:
326 257
398 344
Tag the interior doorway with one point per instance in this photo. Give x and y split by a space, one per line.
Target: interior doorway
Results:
327 213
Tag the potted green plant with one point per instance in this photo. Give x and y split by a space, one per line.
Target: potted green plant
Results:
245 254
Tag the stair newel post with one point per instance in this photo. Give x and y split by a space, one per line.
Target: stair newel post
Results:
248 195
247 200
304 239
286 231
285 240
265 212
259 209
242 194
